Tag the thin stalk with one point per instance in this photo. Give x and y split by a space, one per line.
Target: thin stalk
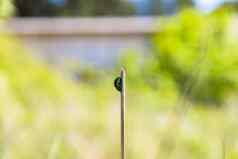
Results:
123 104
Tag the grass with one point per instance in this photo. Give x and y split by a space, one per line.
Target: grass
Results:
44 116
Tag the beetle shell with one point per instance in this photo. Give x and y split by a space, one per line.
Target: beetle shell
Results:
118 84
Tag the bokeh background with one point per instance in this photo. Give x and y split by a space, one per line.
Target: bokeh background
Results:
58 60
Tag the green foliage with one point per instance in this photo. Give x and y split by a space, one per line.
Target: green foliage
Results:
158 9
196 52
44 116
6 8
185 3
74 8
93 8
193 56
22 75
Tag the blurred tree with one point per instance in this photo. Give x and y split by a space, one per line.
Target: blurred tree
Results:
185 3
193 55
195 52
37 8
232 5
169 6
93 8
73 7
6 8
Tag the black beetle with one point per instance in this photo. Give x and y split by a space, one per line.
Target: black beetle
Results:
118 84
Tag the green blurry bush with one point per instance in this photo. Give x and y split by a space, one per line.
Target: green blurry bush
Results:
195 54
43 116
6 8
27 79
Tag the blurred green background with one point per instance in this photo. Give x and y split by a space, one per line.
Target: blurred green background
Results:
181 98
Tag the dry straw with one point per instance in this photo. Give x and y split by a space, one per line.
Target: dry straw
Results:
120 84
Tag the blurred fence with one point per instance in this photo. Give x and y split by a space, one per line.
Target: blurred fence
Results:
94 41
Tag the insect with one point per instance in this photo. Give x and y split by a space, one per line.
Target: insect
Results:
118 84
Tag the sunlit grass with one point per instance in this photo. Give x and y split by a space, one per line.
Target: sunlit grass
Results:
44 116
